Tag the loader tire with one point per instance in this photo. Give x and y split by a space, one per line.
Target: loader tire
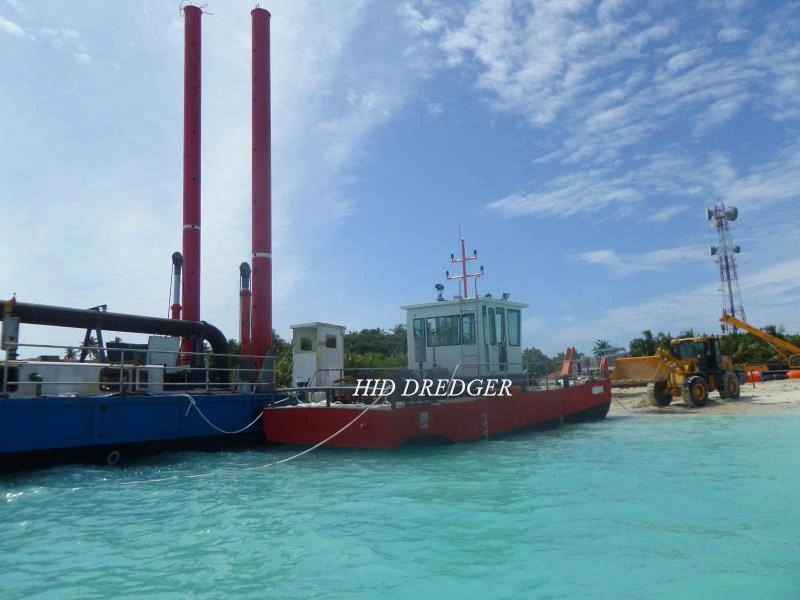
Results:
695 392
656 395
730 388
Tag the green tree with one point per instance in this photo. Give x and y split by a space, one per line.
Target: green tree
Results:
376 340
90 349
601 348
283 360
536 362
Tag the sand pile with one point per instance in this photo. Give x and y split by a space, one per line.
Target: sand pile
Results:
769 397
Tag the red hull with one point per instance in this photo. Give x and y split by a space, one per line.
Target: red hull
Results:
456 420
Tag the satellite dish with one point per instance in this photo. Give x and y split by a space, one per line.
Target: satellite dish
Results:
439 287
712 250
731 213
736 249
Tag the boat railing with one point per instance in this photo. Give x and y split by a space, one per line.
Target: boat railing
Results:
57 371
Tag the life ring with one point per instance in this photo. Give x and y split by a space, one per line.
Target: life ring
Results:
113 458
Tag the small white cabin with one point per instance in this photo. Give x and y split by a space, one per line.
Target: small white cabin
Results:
318 354
481 334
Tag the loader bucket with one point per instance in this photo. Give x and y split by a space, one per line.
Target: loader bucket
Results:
640 368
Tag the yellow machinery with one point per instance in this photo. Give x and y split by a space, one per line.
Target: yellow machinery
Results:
789 352
692 369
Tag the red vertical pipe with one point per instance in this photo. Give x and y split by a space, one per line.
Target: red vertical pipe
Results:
262 187
191 168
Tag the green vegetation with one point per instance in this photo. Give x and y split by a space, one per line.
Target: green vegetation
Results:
743 348
375 348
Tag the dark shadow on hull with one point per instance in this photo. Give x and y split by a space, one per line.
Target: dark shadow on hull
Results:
596 413
122 454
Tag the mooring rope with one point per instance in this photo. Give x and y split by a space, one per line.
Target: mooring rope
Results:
258 467
322 443
193 404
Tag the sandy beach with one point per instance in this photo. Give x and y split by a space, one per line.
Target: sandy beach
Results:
769 397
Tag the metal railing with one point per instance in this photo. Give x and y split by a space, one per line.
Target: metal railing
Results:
130 373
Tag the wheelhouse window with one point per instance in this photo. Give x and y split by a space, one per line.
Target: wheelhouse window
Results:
330 341
468 328
419 329
444 331
489 329
500 325
513 327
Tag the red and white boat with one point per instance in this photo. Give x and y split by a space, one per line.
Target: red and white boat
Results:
449 420
451 343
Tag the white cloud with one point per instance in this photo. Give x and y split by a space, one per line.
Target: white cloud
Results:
630 264
732 34
662 216
10 27
82 58
719 112
682 60
555 58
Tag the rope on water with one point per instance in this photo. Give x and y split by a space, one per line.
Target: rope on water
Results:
259 467
322 443
193 404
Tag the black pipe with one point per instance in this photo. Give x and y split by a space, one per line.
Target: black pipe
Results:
60 316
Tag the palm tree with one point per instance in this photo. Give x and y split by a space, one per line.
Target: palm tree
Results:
89 349
601 348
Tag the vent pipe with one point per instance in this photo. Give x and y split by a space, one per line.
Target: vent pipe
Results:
177 266
244 309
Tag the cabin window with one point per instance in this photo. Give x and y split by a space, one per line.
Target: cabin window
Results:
444 331
468 328
513 328
419 329
500 325
305 343
430 330
489 330
330 341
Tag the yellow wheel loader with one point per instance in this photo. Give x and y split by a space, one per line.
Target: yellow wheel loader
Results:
690 370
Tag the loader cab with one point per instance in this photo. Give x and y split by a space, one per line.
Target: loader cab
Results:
704 350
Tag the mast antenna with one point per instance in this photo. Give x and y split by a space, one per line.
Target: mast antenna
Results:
464 276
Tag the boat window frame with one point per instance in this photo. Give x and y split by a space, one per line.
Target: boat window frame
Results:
489 327
472 338
514 332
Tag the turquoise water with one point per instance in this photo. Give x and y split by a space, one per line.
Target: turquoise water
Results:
675 506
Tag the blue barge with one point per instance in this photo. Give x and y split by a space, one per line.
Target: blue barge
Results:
132 399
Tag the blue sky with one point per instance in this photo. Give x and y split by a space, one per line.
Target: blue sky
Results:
576 143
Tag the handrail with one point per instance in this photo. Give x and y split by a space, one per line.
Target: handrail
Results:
126 369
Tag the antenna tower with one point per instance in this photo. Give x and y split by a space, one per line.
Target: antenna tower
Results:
725 256
464 275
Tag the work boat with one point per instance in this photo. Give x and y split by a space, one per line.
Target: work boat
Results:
464 381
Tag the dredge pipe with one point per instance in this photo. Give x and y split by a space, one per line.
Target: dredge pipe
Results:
60 316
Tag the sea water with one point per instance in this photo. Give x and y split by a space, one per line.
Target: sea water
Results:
660 506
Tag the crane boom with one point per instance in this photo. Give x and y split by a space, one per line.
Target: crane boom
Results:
782 347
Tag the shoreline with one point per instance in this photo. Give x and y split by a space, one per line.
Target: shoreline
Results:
764 398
